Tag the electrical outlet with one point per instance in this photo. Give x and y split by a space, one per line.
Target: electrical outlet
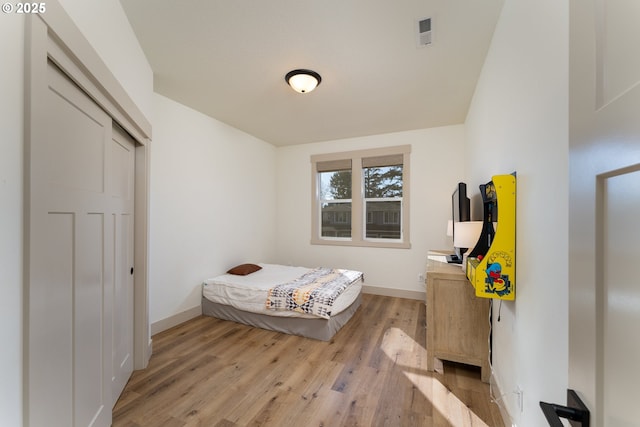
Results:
420 278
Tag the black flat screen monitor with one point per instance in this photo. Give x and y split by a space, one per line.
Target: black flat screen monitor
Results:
460 211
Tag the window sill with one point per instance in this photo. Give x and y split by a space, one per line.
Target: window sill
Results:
362 243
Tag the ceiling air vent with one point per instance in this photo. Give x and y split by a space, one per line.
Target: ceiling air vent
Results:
424 32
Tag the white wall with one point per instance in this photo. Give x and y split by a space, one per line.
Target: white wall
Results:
518 121
213 198
99 22
436 167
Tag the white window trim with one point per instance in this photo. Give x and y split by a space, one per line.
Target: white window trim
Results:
358 216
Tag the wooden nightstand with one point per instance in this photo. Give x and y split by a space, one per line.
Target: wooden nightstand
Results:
457 321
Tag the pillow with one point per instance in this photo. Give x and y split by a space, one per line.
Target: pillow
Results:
244 269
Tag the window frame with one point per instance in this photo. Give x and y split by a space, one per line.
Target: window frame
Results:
358 212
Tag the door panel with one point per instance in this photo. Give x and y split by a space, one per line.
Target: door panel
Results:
50 386
122 154
88 333
62 165
604 133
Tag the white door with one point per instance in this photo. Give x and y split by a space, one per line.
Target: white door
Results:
122 201
73 257
604 230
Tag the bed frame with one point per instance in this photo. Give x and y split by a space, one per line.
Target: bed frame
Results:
319 329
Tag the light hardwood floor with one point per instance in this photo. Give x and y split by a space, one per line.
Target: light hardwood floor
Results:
215 373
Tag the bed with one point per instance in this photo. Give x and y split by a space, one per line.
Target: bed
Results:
254 294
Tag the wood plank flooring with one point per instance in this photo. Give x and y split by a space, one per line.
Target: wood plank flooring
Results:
215 373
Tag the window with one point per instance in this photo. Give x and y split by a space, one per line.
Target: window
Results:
360 198
382 182
334 180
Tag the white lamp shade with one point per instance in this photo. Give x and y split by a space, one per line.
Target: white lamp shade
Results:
303 81
467 234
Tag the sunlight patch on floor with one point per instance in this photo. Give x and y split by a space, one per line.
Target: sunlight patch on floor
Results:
406 352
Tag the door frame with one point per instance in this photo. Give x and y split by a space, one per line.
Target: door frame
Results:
54 36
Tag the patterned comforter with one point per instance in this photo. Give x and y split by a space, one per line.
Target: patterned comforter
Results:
313 293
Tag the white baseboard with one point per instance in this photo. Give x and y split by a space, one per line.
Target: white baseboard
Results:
399 293
149 352
175 320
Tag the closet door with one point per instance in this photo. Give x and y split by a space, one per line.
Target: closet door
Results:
72 257
122 198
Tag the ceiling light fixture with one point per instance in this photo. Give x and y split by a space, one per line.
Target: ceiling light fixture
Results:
303 81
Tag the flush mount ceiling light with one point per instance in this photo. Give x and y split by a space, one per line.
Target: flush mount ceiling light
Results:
303 81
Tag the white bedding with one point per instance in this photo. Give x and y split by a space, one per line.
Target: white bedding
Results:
249 293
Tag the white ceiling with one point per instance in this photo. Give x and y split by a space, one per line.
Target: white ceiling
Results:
228 59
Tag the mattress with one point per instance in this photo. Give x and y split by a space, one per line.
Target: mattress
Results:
249 293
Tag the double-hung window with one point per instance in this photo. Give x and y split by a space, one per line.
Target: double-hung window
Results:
360 198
